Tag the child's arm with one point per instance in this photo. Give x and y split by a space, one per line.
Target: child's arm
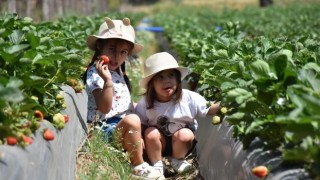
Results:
103 97
214 108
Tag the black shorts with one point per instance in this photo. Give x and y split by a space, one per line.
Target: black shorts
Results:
168 149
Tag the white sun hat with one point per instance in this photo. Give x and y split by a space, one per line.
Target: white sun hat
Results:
120 29
159 62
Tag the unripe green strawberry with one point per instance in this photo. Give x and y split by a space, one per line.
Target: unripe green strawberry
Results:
224 110
34 126
64 105
60 125
59 96
11 140
57 118
35 98
215 120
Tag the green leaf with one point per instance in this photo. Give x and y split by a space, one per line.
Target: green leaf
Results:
235 118
14 82
34 40
262 70
312 66
11 94
239 94
285 54
17 48
255 126
58 49
16 37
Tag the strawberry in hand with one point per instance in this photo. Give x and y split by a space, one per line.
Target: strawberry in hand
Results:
105 59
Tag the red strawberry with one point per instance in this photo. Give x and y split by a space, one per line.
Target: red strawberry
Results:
260 171
26 139
66 118
12 140
105 59
39 114
48 135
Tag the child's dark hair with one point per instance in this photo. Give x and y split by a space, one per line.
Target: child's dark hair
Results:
95 57
151 95
126 78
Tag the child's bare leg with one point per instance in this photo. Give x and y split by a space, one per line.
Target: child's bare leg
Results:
181 143
154 144
130 128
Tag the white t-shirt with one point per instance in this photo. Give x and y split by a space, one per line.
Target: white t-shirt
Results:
121 104
170 117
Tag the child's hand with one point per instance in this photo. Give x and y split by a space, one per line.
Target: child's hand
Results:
103 70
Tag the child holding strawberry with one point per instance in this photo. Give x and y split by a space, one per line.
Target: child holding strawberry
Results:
110 107
168 112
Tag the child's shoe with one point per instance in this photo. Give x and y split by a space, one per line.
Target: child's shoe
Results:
147 172
180 166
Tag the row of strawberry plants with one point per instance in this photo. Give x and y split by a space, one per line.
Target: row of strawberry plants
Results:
270 84
35 60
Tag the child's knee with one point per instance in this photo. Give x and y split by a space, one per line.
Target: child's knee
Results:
183 135
152 133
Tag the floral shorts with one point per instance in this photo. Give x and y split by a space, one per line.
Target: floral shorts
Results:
108 126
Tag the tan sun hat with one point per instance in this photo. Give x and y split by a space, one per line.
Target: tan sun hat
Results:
159 62
120 29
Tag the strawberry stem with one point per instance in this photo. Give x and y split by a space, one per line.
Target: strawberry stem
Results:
53 78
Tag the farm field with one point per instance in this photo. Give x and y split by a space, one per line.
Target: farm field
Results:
261 63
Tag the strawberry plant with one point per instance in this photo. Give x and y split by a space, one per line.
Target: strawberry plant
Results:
35 61
269 82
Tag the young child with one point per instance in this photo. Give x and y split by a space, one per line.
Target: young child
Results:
168 112
110 107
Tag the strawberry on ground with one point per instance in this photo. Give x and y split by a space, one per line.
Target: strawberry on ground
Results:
260 171
48 135
66 118
27 140
11 140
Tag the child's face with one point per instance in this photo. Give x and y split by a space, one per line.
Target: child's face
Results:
165 84
117 51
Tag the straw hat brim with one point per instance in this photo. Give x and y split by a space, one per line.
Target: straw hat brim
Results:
144 81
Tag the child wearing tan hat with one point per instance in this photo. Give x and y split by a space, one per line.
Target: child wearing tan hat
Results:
110 106
168 112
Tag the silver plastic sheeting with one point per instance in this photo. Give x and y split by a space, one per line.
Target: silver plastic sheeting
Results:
49 160
221 157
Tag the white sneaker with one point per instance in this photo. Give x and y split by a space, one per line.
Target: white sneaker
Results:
180 166
147 172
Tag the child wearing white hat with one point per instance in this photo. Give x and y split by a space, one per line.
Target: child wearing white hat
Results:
110 106
167 112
